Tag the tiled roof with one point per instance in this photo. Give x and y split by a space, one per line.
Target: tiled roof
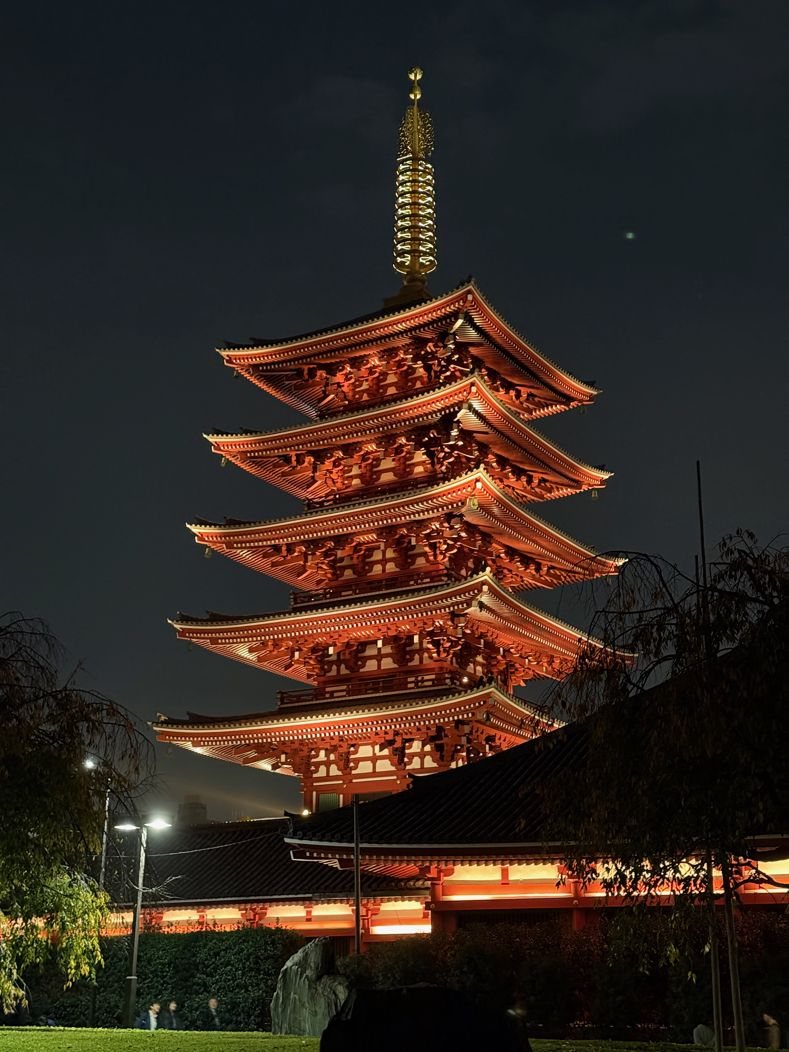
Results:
360 705
382 312
471 805
418 494
236 862
475 304
417 398
500 801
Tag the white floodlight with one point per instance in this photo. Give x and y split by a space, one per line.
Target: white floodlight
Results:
158 823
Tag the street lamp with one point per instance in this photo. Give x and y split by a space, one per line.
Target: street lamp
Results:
90 763
129 826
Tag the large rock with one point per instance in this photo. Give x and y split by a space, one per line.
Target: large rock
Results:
308 991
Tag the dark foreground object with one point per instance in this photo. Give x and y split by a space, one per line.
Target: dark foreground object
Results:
422 1017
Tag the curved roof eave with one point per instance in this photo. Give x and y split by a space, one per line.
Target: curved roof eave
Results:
217 439
234 354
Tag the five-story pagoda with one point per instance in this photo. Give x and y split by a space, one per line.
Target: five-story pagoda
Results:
417 467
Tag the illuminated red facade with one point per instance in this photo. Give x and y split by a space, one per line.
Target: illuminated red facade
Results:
419 465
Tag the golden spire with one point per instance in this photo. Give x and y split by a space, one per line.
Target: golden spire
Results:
415 202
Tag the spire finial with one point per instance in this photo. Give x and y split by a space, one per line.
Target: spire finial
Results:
415 75
415 203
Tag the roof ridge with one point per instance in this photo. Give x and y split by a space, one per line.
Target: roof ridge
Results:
383 313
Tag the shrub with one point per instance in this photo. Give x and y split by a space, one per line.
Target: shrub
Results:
239 967
599 979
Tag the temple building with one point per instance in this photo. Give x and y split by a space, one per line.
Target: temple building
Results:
418 465
410 628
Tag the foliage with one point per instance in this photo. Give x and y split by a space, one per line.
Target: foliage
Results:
612 977
495 964
53 807
239 967
697 762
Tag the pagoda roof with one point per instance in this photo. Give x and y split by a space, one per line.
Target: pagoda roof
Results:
464 310
475 496
264 641
240 739
480 411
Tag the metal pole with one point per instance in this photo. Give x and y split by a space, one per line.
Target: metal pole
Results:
102 877
715 968
734 963
704 607
728 906
104 835
357 880
131 978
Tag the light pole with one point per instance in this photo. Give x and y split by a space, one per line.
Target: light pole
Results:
90 763
131 977
357 880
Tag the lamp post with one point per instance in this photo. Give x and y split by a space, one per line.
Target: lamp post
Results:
357 880
90 763
131 977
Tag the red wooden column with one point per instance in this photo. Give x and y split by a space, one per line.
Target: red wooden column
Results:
445 920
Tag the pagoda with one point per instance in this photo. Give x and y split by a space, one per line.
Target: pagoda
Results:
418 466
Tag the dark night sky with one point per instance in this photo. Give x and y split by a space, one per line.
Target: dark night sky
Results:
177 174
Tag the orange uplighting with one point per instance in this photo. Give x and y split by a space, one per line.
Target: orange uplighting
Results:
422 928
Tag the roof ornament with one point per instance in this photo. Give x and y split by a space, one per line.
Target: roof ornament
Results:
415 199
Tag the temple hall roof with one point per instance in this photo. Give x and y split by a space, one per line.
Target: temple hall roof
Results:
237 862
478 809
497 810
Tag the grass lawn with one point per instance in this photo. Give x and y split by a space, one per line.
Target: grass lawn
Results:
73 1039
57 1039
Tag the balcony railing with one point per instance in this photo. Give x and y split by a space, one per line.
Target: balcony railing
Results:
440 682
371 586
394 488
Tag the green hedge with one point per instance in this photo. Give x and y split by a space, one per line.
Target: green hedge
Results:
239 967
585 983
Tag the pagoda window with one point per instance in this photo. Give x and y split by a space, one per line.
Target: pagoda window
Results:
327 801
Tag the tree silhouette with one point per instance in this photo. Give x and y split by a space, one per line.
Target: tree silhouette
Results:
686 719
53 804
